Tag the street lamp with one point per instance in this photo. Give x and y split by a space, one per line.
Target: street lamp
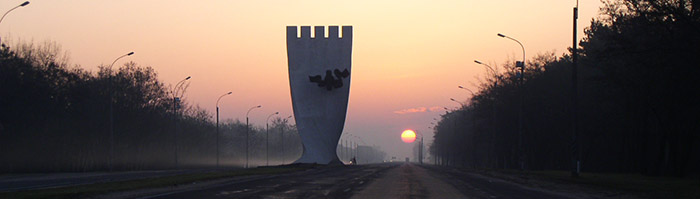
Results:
111 105
420 149
518 64
179 86
460 103
493 105
267 139
489 67
521 65
217 127
20 5
247 132
462 87
176 92
576 153
492 70
176 104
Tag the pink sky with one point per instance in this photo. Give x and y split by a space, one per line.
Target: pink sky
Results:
408 56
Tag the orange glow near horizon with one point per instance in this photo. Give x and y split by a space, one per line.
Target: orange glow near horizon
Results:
408 136
408 56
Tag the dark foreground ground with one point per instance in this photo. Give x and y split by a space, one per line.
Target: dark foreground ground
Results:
365 181
22 182
390 180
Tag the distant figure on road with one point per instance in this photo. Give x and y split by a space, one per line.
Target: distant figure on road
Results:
353 161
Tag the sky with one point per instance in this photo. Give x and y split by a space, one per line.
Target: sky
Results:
408 56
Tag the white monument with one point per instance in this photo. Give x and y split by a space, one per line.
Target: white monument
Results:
319 77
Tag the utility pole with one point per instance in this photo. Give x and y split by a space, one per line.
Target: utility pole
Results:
176 106
421 150
217 127
246 140
247 132
111 102
267 139
575 151
521 65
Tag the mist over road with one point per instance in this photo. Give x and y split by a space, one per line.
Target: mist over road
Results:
390 180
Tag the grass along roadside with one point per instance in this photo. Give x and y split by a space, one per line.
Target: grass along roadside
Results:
84 191
628 184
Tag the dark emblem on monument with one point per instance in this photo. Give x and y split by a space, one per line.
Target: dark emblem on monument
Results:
329 81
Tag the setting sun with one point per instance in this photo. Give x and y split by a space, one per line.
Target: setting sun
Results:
408 136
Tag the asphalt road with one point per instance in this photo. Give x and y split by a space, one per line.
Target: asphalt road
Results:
323 182
365 181
21 182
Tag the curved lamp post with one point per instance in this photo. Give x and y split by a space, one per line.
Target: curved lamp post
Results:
179 87
493 105
492 70
176 101
267 139
115 60
462 87
217 127
521 65
176 92
489 67
111 105
247 132
20 5
460 103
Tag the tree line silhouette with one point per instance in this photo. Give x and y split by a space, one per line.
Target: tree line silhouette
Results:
638 102
54 117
